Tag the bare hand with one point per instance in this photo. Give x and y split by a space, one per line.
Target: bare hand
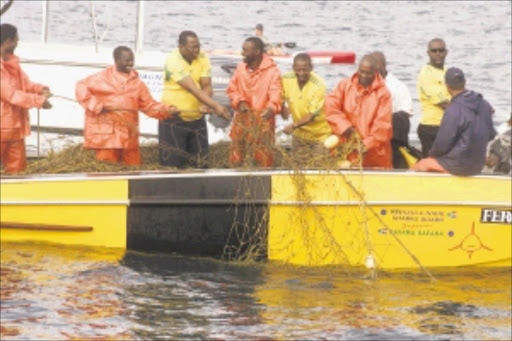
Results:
204 109
267 113
491 160
222 111
285 114
172 111
45 91
349 132
46 104
243 107
288 129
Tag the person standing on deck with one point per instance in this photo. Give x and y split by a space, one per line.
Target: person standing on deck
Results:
402 110
466 129
362 105
183 140
433 95
111 99
255 93
18 94
304 95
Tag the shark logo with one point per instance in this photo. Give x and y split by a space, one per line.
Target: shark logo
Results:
471 243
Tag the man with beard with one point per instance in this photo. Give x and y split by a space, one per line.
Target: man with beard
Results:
433 95
18 94
362 105
183 140
255 92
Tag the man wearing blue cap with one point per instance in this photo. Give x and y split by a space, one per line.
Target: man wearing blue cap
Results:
460 145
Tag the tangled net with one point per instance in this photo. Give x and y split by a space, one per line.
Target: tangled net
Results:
247 241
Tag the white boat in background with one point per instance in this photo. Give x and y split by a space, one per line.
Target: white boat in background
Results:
60 66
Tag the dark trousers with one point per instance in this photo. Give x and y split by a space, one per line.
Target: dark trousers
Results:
427 134
401 126
182 143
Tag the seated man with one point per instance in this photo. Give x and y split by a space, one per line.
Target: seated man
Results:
498 153
112 99
460 145
304 94
362 105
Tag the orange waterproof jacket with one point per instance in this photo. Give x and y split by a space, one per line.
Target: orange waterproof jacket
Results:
369 111
260 88
115 129
18 94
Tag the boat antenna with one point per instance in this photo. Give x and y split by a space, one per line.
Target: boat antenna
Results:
5 6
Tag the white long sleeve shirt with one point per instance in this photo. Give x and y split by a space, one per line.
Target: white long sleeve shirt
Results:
400 95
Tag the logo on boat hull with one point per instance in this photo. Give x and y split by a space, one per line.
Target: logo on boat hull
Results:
471 243
492 216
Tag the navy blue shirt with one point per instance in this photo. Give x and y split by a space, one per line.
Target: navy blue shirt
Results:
461 143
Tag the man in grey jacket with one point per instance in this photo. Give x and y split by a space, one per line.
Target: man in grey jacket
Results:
461 143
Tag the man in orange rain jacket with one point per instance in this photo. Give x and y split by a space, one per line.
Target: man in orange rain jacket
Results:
362 105
112 99
255 92
18 94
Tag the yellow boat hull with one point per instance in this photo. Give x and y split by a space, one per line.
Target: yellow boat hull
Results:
69 212
394 220
405 219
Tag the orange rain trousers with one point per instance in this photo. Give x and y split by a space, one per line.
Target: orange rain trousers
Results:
369 111
115 131
126 156
17 95
251 134
14 155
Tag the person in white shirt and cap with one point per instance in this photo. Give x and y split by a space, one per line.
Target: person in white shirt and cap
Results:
402 110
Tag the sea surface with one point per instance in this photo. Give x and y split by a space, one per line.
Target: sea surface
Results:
50 292
477 33
53 292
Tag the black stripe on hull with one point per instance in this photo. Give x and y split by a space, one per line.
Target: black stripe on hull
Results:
205 216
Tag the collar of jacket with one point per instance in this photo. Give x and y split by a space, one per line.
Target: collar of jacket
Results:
132 74
266 63
377 83
12 64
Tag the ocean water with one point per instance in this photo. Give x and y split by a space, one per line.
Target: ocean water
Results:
50 292
477 33
71 293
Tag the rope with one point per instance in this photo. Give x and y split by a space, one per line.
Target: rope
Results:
361 197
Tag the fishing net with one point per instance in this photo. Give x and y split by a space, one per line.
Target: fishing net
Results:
248 237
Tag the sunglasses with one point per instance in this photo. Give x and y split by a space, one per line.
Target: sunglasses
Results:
437 50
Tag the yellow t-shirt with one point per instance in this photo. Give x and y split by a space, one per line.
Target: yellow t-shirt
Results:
308 100
176 68
432 90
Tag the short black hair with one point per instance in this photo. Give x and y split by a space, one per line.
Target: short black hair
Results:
7 31
303 56
120 49
257 42
182 40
